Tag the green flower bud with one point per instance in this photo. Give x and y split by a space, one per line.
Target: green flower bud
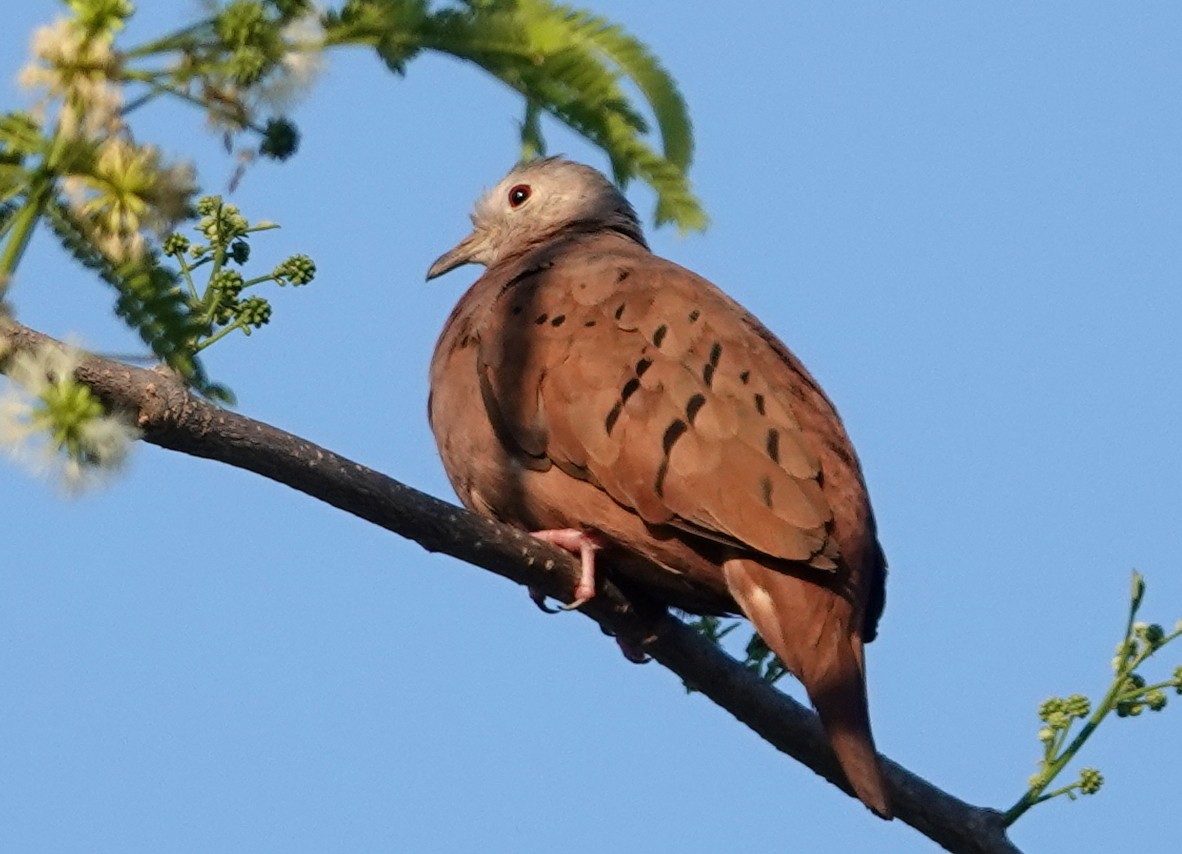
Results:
248 64
255 312
1077 706
1124 650
229 282
227 309
1050 707
296 270
176 244
242 22
1090 781
220 223
1155 700
1046 735
1058 720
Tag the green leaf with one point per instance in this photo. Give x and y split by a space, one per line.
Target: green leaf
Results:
20 136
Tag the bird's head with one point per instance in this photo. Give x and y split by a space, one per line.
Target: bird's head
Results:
536 202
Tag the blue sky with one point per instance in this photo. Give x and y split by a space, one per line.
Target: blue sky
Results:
965 218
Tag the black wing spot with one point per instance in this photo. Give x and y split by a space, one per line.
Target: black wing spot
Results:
622 274
712 365
589 323
609 423
619 311
659 335
642 366
541 318
676 431
691 409
765 488
517 309
694 315
662 470
629 389
773 444
759 405
745 377
559 320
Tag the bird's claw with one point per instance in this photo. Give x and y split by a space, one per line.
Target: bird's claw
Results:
632 652
539 599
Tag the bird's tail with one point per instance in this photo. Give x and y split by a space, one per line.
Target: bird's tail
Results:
813 631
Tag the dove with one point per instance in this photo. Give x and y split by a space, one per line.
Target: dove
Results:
626 409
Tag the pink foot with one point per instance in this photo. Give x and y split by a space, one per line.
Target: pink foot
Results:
580 543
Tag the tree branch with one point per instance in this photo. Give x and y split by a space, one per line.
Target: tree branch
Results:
174 418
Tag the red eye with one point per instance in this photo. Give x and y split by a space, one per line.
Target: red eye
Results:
518 195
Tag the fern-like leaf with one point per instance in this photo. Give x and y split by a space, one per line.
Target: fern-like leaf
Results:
636 61
564 61
148 298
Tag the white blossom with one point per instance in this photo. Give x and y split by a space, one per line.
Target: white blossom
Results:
31 428
299 66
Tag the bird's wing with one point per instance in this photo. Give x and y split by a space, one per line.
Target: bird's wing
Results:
637 375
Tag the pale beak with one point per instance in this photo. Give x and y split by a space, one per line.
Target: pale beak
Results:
464 252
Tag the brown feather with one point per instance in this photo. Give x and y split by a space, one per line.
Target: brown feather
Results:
582 382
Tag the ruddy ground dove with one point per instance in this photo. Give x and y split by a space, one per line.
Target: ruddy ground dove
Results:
628 410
